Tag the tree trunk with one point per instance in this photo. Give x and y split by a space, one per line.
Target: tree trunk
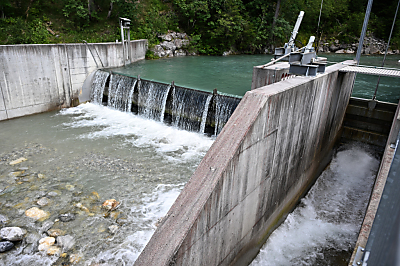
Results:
88 7
278 6
110 10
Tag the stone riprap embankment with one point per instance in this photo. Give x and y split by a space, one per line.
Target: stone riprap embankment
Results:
371 46
173 44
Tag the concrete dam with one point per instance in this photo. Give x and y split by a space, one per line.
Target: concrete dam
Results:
270 147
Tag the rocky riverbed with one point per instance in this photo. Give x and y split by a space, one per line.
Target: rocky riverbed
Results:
87 186
38 215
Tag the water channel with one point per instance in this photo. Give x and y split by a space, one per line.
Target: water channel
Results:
79 157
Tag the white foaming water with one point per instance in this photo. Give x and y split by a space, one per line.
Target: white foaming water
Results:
328 218
171 142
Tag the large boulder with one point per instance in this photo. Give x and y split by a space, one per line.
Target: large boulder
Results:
168 46
180 52
333 48
373 49
158 51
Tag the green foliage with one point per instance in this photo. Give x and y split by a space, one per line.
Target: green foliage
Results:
215 25
150 55
16 30
76 12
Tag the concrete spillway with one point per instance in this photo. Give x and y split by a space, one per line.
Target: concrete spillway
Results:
181 107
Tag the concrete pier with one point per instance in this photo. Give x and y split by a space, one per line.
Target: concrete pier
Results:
40 77
263 76
270 152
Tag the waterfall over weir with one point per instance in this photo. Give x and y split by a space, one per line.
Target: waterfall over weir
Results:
185 108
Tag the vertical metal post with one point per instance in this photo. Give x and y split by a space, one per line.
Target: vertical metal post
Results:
387 48
363 31
126 40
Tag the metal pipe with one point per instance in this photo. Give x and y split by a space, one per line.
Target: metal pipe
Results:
296 29
363 31
387 48
90 50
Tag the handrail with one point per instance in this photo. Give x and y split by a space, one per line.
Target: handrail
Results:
87 45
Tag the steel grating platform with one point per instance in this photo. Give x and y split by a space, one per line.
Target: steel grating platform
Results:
387 72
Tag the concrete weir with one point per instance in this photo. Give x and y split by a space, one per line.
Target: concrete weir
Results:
40 77
270 152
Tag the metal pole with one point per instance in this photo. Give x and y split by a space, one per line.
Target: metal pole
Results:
123 40
129 44
387 47
296 29
363 31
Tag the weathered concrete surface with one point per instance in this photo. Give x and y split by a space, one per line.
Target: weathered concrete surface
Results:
263 76
40 77
379 185
275 144
368 126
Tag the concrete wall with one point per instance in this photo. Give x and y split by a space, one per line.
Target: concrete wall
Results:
40 77
269 153
263 76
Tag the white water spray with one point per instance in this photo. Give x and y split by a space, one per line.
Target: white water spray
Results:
328 219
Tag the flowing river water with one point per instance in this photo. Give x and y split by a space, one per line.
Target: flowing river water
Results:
79 157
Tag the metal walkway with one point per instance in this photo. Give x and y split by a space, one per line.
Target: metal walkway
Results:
376 71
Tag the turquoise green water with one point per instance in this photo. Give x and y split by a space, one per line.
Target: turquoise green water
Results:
233 74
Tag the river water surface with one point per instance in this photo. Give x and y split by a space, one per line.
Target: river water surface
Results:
233 74
86 155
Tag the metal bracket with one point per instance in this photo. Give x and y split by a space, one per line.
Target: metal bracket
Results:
358 257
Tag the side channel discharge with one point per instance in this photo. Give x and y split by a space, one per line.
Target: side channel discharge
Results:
185 108
323 229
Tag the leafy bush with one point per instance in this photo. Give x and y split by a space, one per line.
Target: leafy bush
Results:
18 31
76 12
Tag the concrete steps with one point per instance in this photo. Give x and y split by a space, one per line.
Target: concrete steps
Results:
368 126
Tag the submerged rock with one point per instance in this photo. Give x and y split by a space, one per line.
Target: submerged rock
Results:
43 201
65 242
41 176
37 214
54 251
66 217
46 226
122 221
113 229
45 243
52 194
3 220
20 160
55 232
12 233
15 174
110 204
6 246
74 258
